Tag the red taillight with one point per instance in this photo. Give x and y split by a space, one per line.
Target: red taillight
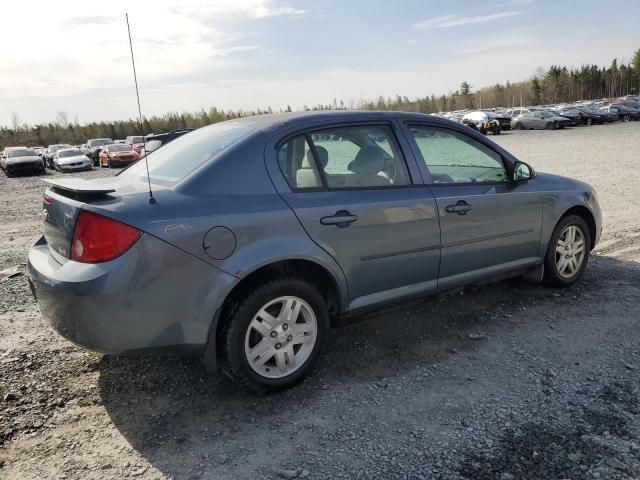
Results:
47 199
100 239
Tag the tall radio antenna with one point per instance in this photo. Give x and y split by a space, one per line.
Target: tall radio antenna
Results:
144 138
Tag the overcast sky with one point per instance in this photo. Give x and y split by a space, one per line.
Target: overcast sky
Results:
73 56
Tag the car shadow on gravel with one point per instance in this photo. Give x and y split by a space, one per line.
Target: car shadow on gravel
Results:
187 423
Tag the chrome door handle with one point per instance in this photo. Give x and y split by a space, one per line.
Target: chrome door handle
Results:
461 208
341 219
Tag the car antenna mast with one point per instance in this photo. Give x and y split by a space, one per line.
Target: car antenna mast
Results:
144 138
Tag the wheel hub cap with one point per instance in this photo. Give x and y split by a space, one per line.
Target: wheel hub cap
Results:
280 337
570 251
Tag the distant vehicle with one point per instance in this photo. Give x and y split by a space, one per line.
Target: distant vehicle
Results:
50 152
572 114
71 159
514 112
612 115
482 121
595 116
136 142
626 113
269 230
39 150
117 155
95 145
20 160
155 141
538 120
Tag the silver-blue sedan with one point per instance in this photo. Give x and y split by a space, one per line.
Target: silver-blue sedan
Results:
250 238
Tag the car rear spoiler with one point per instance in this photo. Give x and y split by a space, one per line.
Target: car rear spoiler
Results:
79 186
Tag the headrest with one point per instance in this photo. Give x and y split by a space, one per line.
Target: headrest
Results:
369 160
322 160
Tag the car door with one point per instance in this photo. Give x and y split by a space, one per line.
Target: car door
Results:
488 224
352 190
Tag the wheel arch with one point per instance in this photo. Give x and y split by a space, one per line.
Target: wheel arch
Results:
312 271
587 216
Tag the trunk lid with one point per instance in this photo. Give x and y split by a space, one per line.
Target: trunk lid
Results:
64 199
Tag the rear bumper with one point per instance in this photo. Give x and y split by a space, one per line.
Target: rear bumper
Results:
153 297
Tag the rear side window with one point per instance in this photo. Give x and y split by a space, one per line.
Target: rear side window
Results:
344 158
452 157
298 164
183 155
360 157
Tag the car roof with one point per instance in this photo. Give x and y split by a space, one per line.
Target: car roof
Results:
276 120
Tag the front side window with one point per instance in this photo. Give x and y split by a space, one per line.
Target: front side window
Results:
360 157
452 157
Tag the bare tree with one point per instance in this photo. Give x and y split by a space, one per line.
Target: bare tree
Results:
62 118
16 121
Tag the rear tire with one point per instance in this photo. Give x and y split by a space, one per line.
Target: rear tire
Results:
568 252
265 349
519 126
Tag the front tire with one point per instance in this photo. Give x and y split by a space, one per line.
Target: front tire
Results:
568 252
271 339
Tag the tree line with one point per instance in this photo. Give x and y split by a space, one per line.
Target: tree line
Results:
556 84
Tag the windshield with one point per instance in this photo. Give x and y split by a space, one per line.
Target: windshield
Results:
180 157
23 152
70 153
97 142
119 148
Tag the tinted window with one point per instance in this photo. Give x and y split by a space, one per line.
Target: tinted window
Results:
360 157
298 165
452 157
180 157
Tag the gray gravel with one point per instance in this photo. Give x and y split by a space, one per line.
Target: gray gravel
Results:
507 381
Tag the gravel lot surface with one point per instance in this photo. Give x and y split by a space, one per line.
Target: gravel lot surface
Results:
507 381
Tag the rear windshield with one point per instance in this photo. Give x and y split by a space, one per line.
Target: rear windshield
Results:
152 145
137 140
183 155
25 152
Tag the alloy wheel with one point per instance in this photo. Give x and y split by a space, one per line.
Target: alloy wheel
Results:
570 251
281 337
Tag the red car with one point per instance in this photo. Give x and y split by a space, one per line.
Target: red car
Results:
117 154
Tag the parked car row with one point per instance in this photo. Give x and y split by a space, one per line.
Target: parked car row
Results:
103 152
548 117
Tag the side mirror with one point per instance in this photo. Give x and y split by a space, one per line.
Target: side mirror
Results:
522 172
